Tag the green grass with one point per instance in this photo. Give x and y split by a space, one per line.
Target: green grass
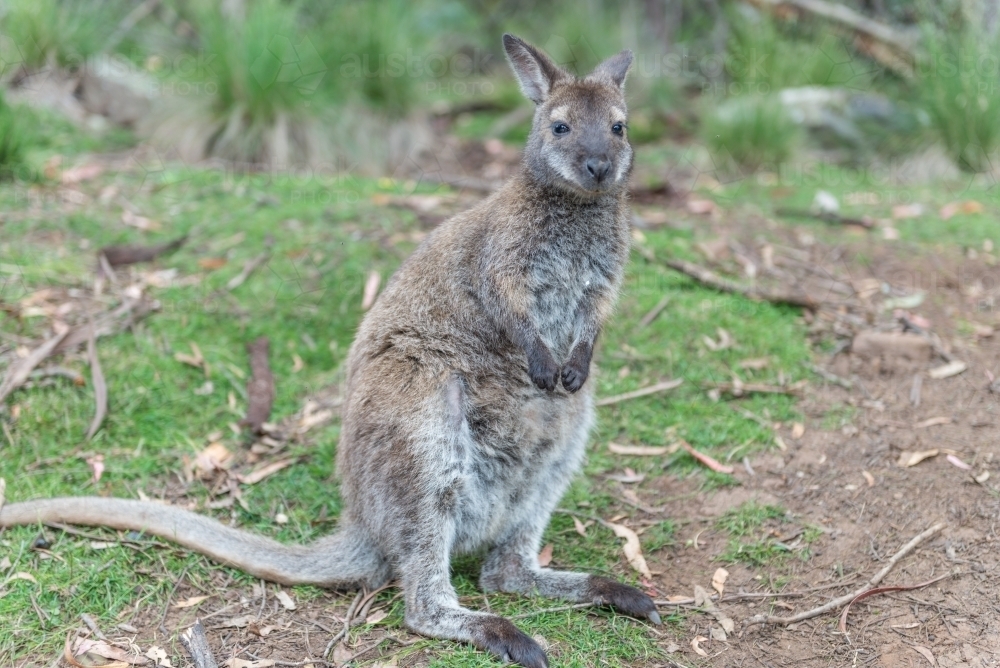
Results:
328 234
961 93
751 132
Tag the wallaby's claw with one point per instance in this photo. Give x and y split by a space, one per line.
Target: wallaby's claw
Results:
573 378
502 638
623 598
543 370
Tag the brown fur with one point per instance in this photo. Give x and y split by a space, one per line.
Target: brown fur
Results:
467 408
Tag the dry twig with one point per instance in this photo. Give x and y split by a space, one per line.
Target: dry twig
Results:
641 392
19 371
100 387
710 279
847 598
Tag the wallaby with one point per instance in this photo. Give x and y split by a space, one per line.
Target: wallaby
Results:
467 406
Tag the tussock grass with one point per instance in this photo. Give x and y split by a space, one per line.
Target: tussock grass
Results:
750 133
959 88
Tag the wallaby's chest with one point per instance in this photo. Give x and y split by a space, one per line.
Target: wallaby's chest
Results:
565 269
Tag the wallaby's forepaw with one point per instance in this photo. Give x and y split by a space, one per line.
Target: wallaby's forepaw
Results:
623 598
577 368
543 369
499 636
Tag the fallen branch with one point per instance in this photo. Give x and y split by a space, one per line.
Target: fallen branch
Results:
826 217
19 371
641 392
118 256
196 643
260 387
712 280
846 599
740 389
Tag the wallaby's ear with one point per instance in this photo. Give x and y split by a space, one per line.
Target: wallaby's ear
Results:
535 71
613 70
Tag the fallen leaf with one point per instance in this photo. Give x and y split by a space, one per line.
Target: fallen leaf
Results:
982 477
260 631
159 657
908 459
798 429
632 548
719 580
234 623
955 461
702 206
214 457
967 207
628 477
244 663
286 601
376 616
948 370
341 655
85 172
672 648
696 645
371 290
725 341
932 422
5 562
195 359
755 363
212 263
297 364
924 652
264 471
825 202
638 450
703 600
706 460
190 602
96 464
580 527
869 478
904 211
545 556
717 633
139 222
102 649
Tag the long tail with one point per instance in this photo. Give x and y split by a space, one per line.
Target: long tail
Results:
345 559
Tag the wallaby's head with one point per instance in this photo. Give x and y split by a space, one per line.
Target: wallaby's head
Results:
579 140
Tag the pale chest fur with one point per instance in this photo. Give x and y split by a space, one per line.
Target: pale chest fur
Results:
575 260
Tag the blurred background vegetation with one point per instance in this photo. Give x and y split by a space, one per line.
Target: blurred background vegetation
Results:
367 85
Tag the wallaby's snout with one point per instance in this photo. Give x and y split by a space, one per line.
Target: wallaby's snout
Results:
598 169
579 137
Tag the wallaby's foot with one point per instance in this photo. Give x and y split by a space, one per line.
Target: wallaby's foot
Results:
577 368
500 636
514 573
542 368
486 632
625 599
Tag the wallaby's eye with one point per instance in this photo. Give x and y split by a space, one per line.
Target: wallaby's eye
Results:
618 129
560 128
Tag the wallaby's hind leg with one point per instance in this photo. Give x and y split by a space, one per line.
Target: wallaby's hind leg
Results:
432 609
512 565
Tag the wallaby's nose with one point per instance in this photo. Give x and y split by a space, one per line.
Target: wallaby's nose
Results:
598 168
